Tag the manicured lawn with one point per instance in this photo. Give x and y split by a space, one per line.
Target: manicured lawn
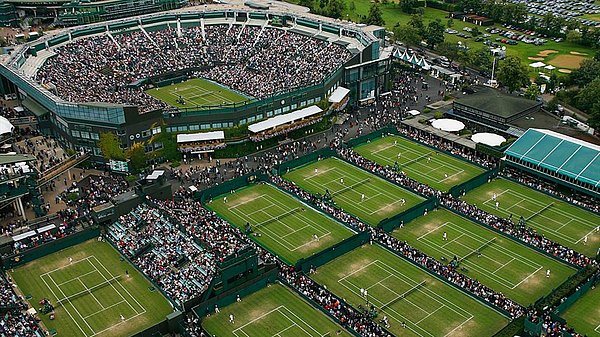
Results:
272 311
406 293
502 264
347 185
279 221
92 292
554 218
196 92
419 162
584 315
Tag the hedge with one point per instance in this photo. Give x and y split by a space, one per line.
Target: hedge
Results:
514 328
566 288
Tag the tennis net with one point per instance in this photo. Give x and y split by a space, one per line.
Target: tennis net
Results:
87 290
403 295
278 217
479 249
350 187
539 212
428 154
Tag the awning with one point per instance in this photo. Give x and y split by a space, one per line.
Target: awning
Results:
414 112
486 138
5 126
19 109
155 174
34 107
338 94
447 124
22 236
284 119
46 228
200 137
193 188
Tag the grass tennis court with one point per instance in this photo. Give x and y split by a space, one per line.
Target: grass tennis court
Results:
405 293
285 224
419 162
196 92
584 315
496 261
347 185
556 219
272 311
92 294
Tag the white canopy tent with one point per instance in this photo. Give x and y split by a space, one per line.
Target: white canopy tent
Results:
414 112
284 119
200 137
537 65
448 125
338 94
549 67
487 138
5 126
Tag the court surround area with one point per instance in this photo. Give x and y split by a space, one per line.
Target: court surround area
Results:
424 164
282 223
498 262
196 92
359 192
93 292
415 303
567 224
274 311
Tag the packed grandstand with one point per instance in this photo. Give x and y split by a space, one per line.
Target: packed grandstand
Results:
255 60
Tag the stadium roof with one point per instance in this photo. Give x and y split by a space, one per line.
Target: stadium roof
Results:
559 153
496 102
284 119
200 137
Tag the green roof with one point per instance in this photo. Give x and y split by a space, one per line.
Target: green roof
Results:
6 159
559 153
496 102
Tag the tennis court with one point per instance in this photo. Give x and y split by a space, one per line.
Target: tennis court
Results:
196 92
564 223
279 221
584 315
428 166
416 303
272 311
93 292
359 192
496 261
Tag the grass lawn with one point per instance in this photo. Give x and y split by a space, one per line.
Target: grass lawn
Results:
555 219
280 222
405 293
272 311
504 265
584 315
348 183
92 292
196 92
419 162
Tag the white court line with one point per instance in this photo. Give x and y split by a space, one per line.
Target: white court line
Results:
74 308
293 323
73 279
68 312
525 279
319 173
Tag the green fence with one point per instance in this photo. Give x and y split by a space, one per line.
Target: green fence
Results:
373 135
473 183
291 164
389 224
50 247
576 295
339 249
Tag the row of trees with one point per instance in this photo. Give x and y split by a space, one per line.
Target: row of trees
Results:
416 31
336 8
585 92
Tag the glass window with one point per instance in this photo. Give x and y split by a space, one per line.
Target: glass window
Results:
182 128
286 109
76 134
205 126
156 130
194 127
146 133
217 125
85 135
94 136
294 106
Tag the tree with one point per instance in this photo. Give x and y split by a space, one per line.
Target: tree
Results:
450 23
588 97
408 35
374 17
335 9
306 3
110 145
137 157
594 120
416 21
450 50
573 36
407 6
481 59
586 73
435 33
352 6
512 74
532 92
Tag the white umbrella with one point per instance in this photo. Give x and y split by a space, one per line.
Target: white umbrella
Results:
486 138
449 125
